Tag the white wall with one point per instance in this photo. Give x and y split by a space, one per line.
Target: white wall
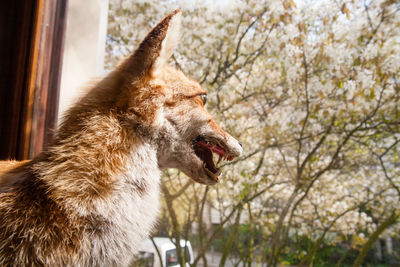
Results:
83 49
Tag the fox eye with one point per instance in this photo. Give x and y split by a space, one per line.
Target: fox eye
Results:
203 98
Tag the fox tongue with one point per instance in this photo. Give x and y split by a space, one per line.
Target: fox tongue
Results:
217 150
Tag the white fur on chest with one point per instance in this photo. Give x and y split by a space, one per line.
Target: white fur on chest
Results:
132 209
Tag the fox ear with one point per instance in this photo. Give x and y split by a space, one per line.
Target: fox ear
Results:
156 48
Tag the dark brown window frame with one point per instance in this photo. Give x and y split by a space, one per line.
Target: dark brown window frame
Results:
31 48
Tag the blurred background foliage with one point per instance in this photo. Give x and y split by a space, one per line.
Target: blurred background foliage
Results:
311 88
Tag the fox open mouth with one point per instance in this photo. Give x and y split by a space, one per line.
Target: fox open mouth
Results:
206 150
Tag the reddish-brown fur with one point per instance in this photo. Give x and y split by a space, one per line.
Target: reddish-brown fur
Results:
92 196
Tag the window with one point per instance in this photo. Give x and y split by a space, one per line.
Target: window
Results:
172 256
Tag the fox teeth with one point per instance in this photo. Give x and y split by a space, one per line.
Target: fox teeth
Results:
219 159
214 157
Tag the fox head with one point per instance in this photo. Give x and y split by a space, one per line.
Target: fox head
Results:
171 107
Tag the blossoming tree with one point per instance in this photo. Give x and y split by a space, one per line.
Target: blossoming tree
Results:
312 90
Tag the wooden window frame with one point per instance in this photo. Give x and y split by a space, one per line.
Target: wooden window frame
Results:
31 50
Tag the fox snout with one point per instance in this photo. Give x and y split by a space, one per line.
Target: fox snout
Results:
212 146
232 146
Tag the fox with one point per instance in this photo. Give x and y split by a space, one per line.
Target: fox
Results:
92 195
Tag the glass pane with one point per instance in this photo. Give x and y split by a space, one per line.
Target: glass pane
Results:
172 257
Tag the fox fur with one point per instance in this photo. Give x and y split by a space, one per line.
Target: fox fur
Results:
93 194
